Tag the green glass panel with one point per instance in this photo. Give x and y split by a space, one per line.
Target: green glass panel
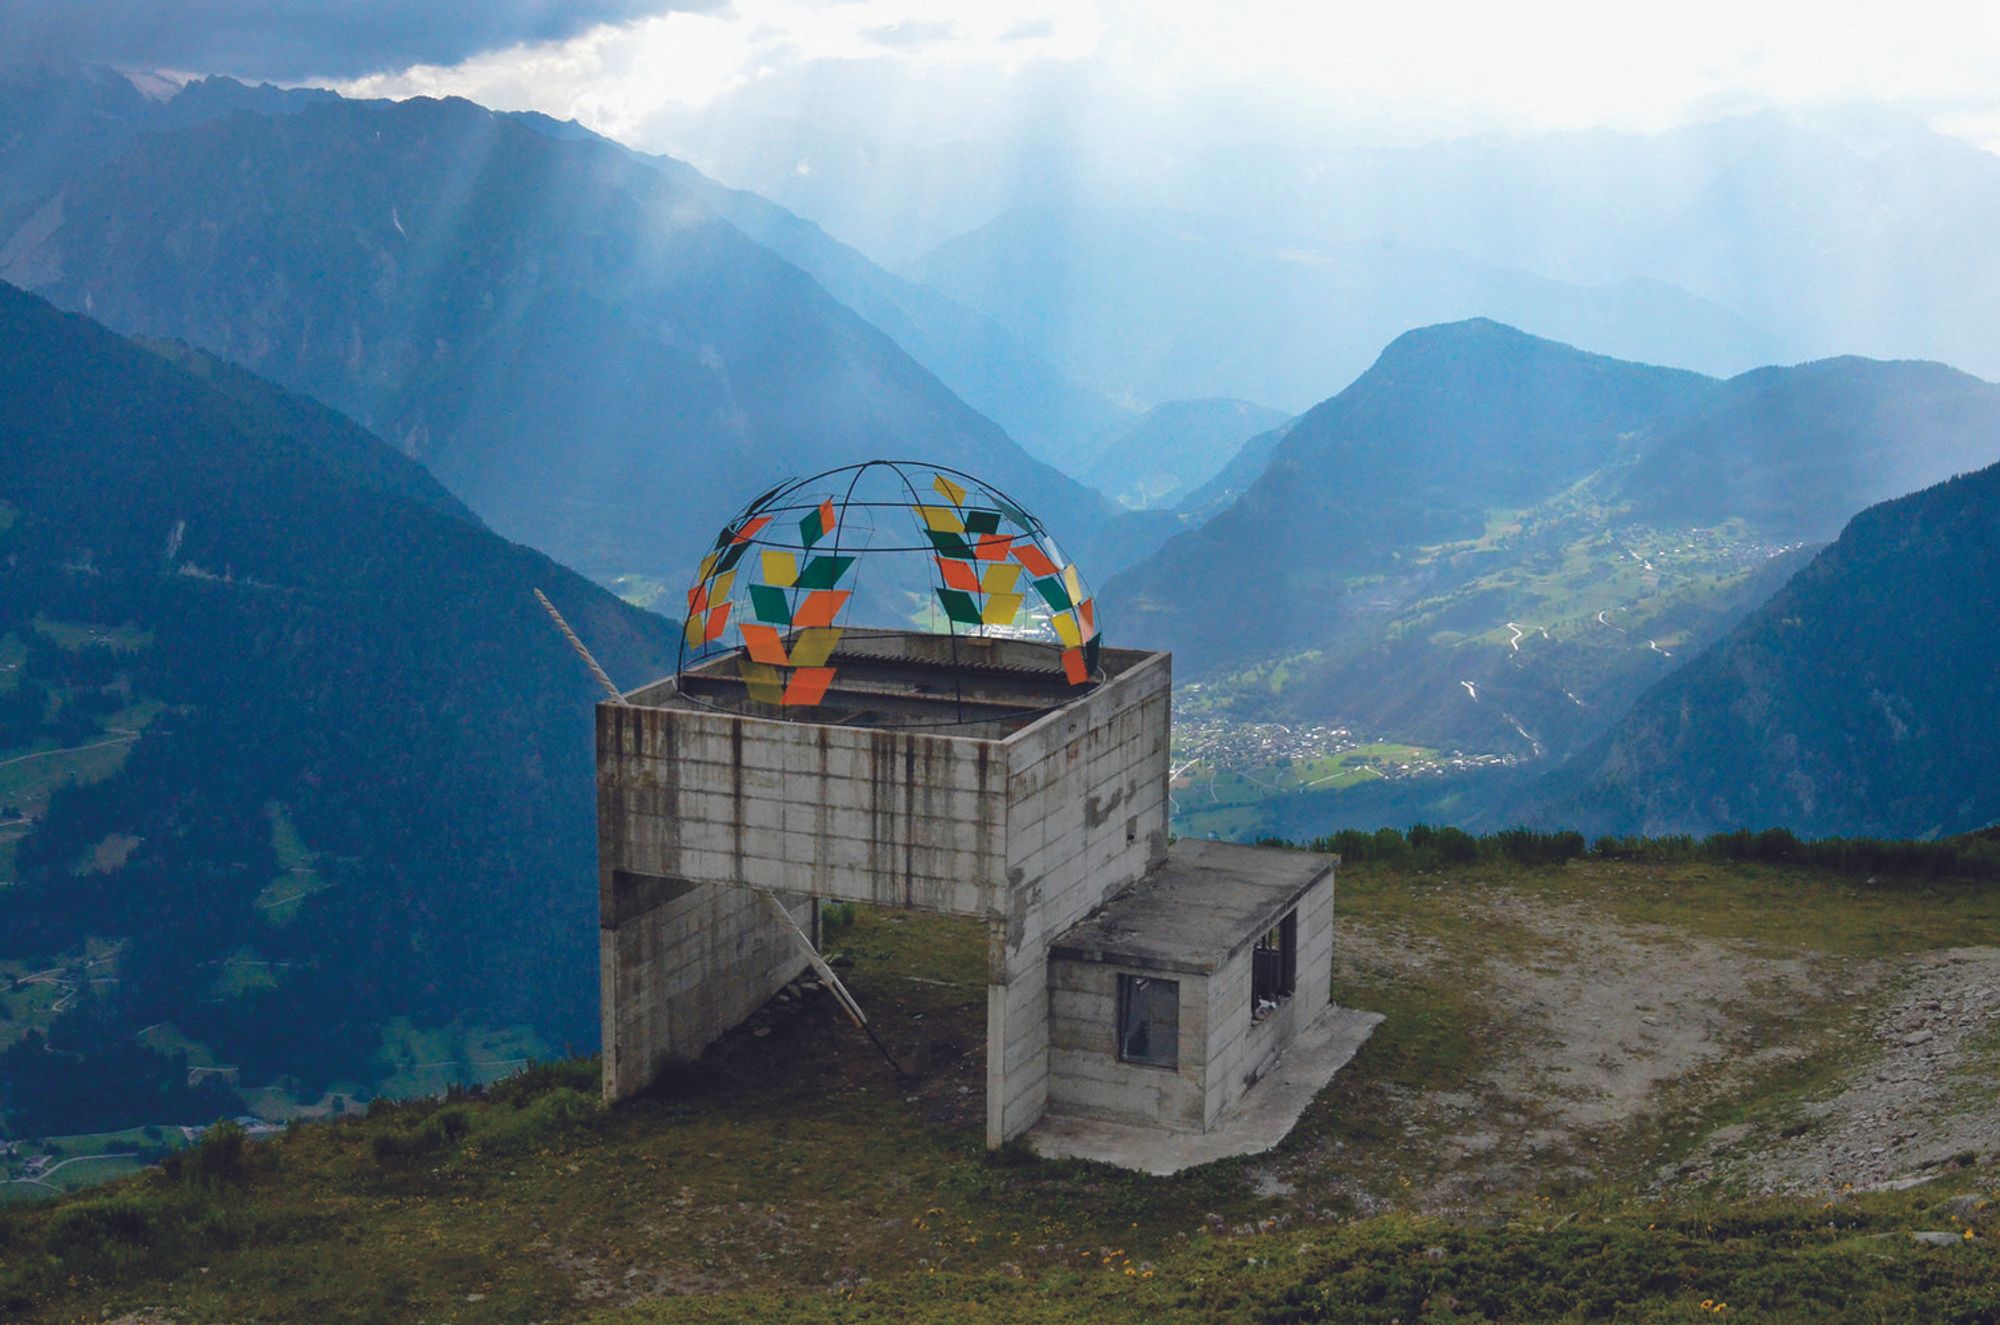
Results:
1092 649
949 544
810 529
772 605
824 572
730 556
1054 593
982 522
958 605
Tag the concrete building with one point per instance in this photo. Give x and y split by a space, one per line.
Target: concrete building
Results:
1017 782
1045 818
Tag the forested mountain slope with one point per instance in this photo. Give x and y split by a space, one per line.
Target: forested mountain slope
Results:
303 755
1859 701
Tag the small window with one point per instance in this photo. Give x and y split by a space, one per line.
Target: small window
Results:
1149 1021
1274 966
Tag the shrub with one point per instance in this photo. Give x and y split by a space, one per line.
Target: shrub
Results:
217 1160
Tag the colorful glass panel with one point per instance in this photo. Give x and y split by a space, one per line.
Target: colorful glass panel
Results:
780 569
959 607
808 686
1034 559
959 575
820 608
765 683
1001 609
811 648
771 604
764 644
1054 593
824 572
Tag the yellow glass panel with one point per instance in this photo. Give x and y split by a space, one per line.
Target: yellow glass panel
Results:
941 518
719 591
953 493
697 629
781 569
1000 577
1001 609
707 565
1074 585
1066 629
813 646
765 683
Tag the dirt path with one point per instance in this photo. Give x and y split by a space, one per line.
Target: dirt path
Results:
1606 1044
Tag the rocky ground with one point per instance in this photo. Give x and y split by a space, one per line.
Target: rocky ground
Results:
1630 1053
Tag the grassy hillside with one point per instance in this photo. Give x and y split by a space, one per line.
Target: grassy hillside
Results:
1516 1143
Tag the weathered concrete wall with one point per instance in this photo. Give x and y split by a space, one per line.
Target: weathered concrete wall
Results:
891 818
1086 816
680 963
1086 1076
1029 833
1240 1050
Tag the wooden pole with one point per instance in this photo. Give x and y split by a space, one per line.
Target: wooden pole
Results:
854 1012
577 644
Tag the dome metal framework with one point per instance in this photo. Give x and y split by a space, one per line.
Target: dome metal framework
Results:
910 549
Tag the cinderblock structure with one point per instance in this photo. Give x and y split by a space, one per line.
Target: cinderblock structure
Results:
983 772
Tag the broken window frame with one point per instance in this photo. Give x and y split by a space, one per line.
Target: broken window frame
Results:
1274 966
1149 1010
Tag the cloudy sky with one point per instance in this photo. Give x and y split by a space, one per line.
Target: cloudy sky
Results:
1367 69
815 101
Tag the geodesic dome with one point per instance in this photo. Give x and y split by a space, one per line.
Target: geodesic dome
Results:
879 548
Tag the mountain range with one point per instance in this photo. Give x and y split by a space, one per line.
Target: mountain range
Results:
1149 306
293 755
1790 234
570 337
1174 449
1492 542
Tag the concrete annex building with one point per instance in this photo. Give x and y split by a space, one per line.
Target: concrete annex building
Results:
1000 764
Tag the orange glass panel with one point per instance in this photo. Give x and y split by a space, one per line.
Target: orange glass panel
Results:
765 644
820 608
993 547
750 528
808 685
1073 667
718 618
1034 559
958 574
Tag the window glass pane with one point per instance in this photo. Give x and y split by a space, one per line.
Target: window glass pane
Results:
1149 1020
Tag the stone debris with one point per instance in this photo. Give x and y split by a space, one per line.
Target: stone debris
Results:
1921 1102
